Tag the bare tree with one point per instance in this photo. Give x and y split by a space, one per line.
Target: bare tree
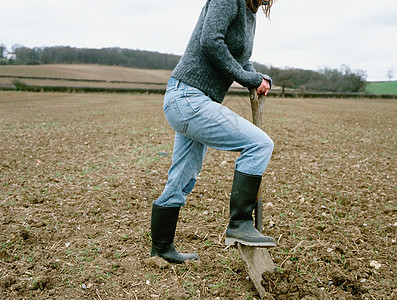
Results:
3 50
390 74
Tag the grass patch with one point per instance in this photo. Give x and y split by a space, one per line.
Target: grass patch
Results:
382 87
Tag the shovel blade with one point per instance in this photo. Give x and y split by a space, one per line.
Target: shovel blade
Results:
257 261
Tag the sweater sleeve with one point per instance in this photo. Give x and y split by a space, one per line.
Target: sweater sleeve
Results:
221 13
249 67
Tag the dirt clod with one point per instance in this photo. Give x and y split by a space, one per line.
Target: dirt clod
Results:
156 262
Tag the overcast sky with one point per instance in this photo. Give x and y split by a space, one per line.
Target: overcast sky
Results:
309 34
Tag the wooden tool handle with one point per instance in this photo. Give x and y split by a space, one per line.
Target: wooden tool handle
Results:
257 107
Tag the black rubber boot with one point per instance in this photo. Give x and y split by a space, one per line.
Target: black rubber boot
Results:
242 202
163 227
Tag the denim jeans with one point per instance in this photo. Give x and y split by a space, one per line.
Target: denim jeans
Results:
200 123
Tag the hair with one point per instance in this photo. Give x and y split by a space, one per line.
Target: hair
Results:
254 5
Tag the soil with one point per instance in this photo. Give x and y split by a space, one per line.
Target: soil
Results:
78 174
83 72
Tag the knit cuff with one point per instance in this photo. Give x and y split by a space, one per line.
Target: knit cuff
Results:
268 78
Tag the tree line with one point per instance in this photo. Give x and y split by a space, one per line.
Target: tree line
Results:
340 80
105 56
343 80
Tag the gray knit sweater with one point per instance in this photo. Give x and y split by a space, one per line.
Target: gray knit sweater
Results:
219 49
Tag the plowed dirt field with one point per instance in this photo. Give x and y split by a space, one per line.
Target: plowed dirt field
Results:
78 174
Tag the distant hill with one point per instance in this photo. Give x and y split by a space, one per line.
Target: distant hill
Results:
382 87
85 72
82 78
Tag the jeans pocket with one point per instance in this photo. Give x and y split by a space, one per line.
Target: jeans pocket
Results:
174 117
195 98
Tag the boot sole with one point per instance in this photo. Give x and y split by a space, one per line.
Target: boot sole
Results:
232 241
180 259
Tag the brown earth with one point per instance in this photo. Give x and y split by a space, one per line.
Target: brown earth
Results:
78 173
86 72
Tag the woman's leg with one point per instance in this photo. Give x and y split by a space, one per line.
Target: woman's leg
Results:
195 116
220 128
187 161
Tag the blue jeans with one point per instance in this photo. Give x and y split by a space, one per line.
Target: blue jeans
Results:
200 123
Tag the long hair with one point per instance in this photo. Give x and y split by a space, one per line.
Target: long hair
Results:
254 5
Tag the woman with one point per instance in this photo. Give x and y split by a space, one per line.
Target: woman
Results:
217 54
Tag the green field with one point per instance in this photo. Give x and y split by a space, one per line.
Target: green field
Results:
382 87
